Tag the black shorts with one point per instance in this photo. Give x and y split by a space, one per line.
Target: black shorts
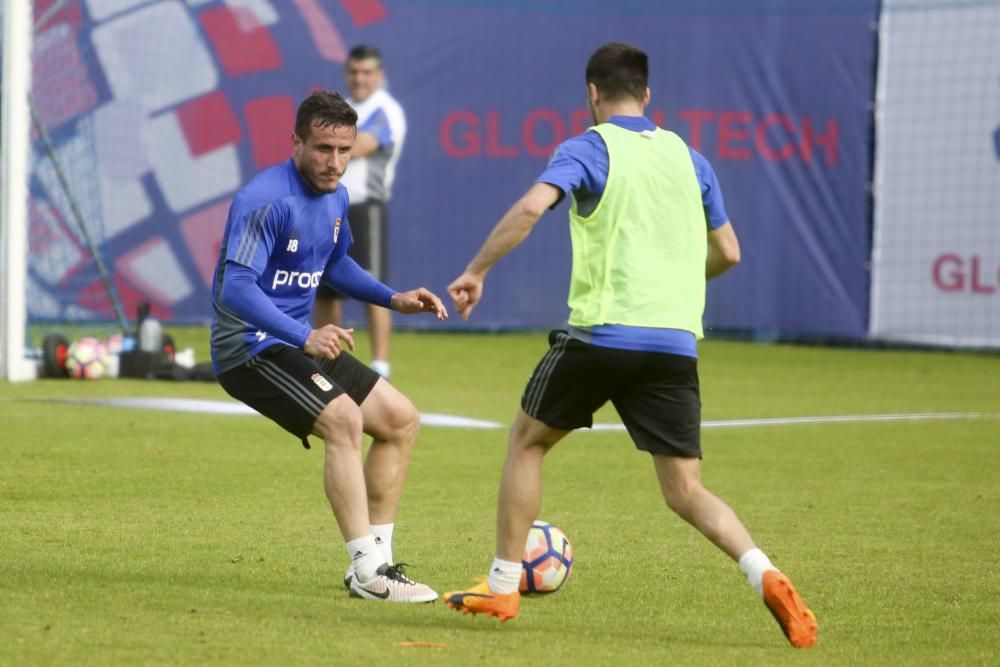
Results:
370 243
656 394
292 388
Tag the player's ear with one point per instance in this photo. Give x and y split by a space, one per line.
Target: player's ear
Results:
592 94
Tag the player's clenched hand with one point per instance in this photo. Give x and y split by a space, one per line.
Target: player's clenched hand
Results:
466 291
418 300
327 341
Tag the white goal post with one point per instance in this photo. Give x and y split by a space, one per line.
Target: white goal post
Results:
14 167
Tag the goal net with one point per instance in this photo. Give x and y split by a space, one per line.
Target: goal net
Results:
936 247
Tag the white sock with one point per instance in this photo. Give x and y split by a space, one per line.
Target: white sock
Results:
381 366
505 576
754 564
365 557
383 539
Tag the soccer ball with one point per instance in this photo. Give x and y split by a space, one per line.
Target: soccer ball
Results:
547 561
87 359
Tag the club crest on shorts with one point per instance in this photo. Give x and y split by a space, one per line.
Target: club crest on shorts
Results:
321 382
336 230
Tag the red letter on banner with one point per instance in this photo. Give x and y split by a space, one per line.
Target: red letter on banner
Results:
469 145
954 280
728 134
695 117
978 287
827 140
531 124
787 150
494 147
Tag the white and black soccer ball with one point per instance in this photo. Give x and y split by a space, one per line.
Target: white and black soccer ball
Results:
547 561
87 359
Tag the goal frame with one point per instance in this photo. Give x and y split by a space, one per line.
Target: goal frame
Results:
15 152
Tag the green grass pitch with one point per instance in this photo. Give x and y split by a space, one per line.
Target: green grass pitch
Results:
138 537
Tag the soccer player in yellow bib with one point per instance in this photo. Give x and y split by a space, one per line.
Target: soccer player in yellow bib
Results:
648 229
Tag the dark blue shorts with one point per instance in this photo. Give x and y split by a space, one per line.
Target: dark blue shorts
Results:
656 394
292 388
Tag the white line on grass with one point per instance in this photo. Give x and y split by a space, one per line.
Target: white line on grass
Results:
454 421
234 408
831 419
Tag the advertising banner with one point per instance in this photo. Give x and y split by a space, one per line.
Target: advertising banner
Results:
159 111
936 255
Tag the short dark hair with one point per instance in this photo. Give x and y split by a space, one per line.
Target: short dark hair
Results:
618 71
364 52
323 108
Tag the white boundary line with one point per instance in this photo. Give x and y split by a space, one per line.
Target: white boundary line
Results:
831 419
454 421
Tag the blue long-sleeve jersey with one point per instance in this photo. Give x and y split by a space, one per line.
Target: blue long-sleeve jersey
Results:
281 240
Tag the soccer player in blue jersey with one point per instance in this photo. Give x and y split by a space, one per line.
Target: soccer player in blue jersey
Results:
369 181
286 234
648 228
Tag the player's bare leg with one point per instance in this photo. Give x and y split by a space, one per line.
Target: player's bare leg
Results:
518 503
393 422
680 483
339 425
379 333
372 577
520 496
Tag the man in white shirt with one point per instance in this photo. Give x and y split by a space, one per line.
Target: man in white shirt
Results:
369 179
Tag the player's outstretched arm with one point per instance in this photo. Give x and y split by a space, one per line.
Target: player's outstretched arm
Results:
513 228
348 278
465 292
419 300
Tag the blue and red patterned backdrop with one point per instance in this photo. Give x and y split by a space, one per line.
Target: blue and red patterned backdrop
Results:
159 110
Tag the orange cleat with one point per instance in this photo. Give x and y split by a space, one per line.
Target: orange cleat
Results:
481 600
789 610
